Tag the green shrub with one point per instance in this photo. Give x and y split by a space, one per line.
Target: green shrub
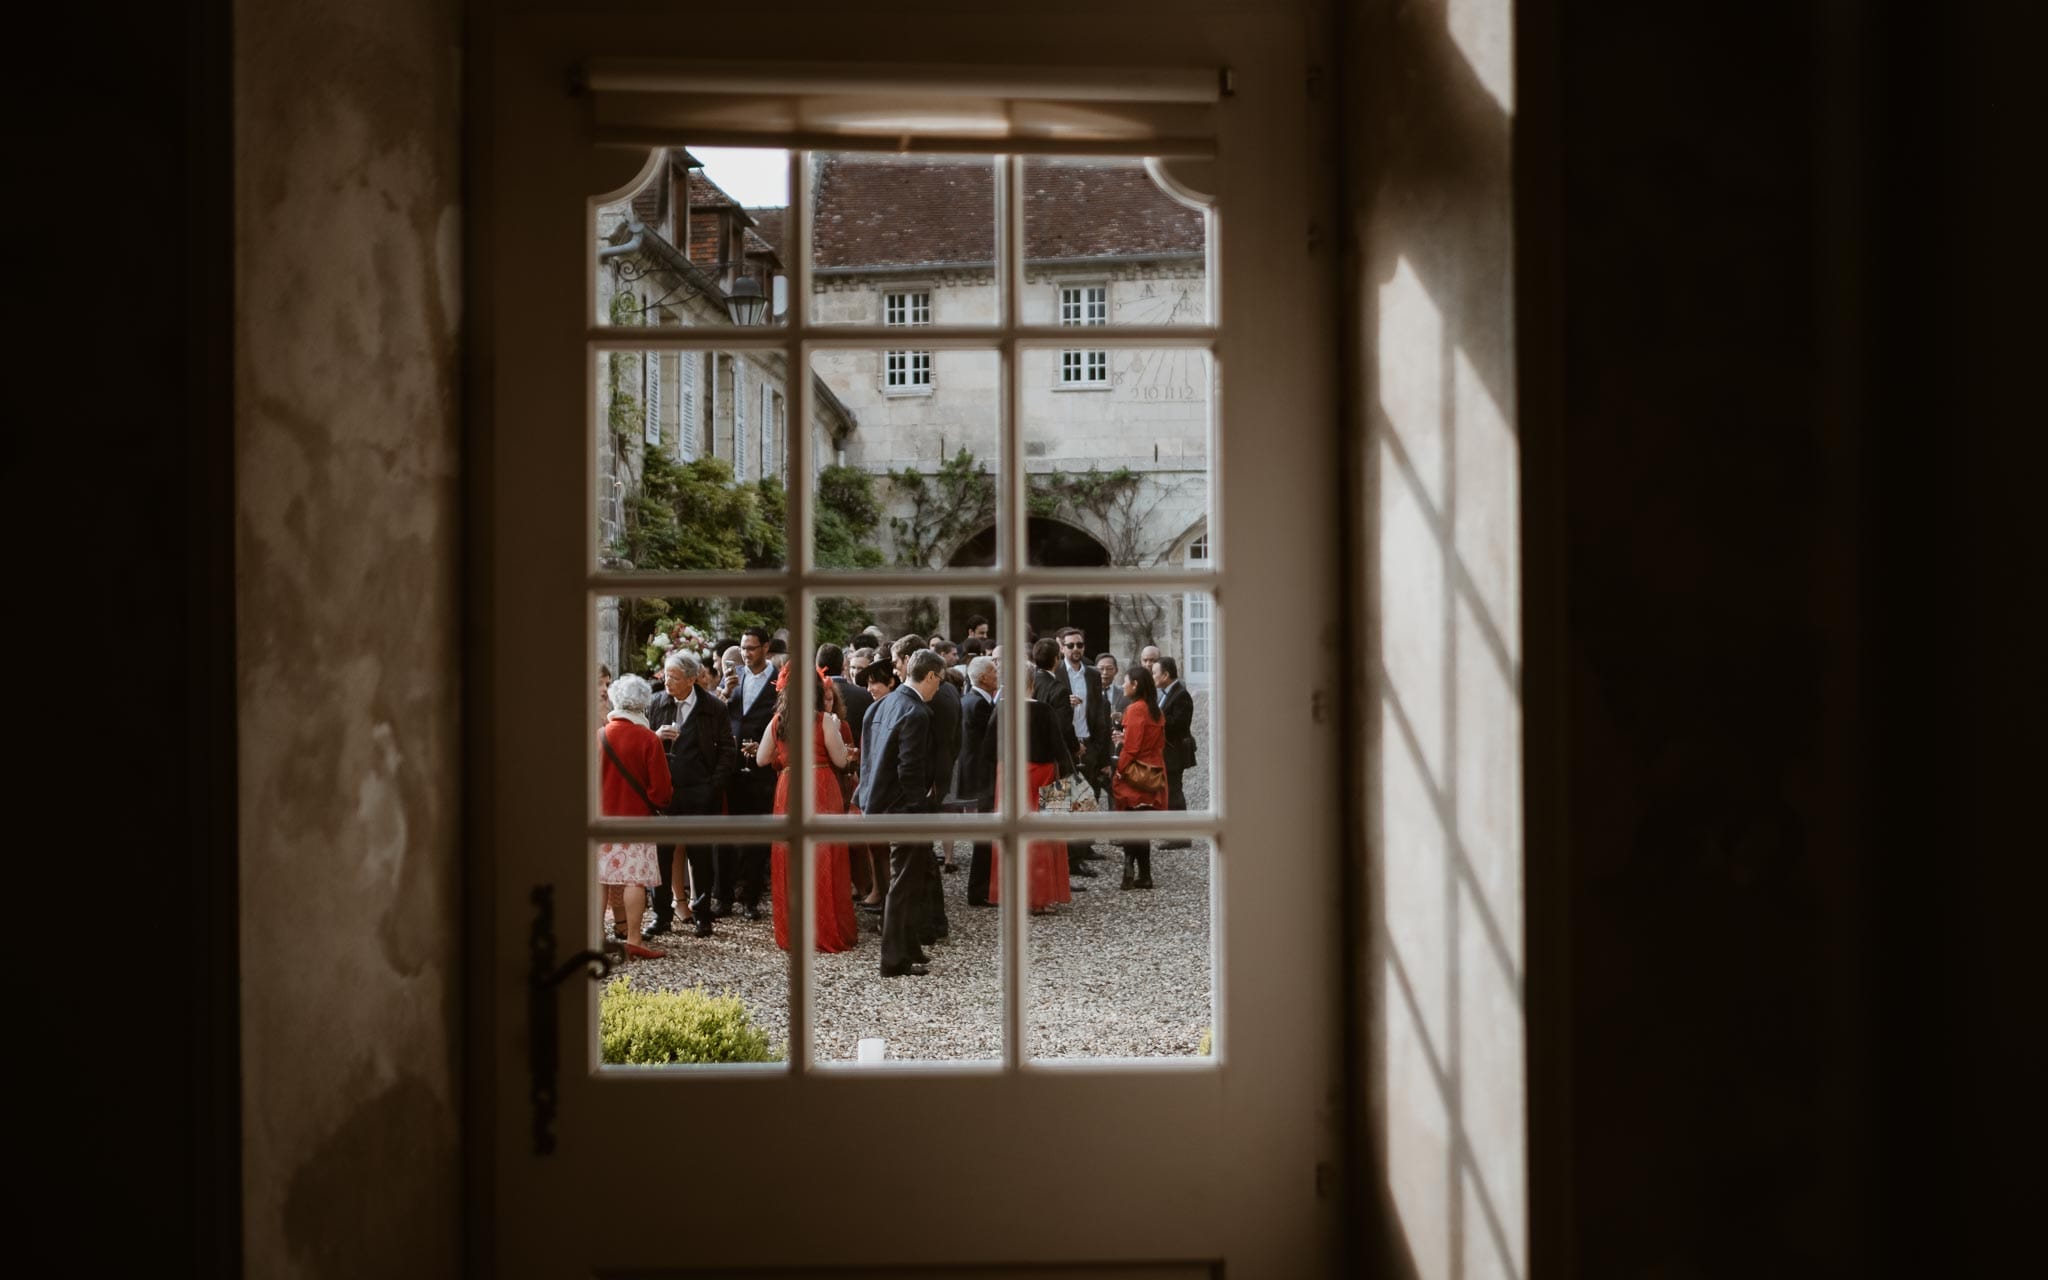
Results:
676 1026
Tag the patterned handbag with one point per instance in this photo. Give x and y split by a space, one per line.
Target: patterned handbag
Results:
1070 794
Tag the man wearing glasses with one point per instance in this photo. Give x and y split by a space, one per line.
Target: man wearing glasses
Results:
1087 729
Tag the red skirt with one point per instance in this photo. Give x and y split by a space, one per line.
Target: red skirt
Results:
838 926
1048 877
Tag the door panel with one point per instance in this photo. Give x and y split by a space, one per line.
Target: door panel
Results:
1190 1162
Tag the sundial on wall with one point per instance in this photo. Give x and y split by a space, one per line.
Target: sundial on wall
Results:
1161 376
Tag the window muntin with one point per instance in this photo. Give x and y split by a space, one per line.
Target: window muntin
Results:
1011 576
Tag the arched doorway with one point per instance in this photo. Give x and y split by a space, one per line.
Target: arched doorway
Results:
1052 543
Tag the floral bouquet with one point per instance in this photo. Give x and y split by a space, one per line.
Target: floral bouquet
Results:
671 635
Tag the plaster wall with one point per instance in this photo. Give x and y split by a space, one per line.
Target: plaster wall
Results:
1428 111
347 552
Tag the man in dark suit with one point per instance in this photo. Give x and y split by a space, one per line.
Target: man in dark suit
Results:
1084 721
945 705
696 735
896 776
974 779
743 869
1177 714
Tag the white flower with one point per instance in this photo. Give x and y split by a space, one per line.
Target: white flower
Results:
661 640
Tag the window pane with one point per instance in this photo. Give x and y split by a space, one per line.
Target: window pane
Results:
655 1008
735 648
698 243
903 240
1120 962
860 635
951 1013
1117 446
906 447
1105 244
692 456
1084 652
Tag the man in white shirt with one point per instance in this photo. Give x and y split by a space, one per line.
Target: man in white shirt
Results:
696 736
1177 716
1089 739
743 869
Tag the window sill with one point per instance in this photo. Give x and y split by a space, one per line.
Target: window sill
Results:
1080 386
899 392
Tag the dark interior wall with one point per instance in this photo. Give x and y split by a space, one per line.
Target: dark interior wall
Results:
1791 279
1712 612
118 527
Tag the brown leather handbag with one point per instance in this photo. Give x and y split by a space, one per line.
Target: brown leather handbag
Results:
1145 777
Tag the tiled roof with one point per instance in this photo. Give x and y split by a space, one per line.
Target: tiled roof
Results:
768 221
706 194
882 210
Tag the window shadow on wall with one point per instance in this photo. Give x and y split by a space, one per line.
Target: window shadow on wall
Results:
1428 137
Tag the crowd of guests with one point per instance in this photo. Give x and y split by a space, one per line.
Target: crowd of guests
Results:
908 727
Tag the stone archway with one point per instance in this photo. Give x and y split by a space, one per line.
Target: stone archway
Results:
1054 544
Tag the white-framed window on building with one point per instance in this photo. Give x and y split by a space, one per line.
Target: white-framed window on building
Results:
739 420
686 398
650 366
1084 304
1198 661
907 371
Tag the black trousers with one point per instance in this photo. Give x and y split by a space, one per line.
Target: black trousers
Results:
933 925
703 873
904 909
977 874
742 869
1175 797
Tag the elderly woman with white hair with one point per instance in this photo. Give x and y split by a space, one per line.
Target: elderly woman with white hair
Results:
634 783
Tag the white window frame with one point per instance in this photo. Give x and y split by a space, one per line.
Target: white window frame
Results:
907 373
739 418
650 377
1198 618
686 404
1083 304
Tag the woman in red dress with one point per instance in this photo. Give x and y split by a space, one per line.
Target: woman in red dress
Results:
838 929
1143 743
1049 761
633 782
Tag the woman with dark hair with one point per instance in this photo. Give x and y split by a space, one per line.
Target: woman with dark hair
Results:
1140 779
838 929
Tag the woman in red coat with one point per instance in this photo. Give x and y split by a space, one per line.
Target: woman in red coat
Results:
838 927
625 870
1143 743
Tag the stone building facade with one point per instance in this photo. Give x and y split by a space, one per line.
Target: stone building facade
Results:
1116 442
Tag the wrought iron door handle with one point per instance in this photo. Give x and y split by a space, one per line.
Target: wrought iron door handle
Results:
542 1025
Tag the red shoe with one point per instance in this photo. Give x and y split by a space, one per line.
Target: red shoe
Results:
634 951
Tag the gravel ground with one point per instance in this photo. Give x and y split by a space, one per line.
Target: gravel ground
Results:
1112 974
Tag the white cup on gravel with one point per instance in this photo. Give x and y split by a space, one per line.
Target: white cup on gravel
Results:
871 1049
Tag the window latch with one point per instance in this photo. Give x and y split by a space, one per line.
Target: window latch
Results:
543 1026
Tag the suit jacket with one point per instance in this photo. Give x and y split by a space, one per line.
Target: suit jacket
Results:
945 705
1043 743
1098 710
857 700
896 755
975 779
1177 709
752 722
703 759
